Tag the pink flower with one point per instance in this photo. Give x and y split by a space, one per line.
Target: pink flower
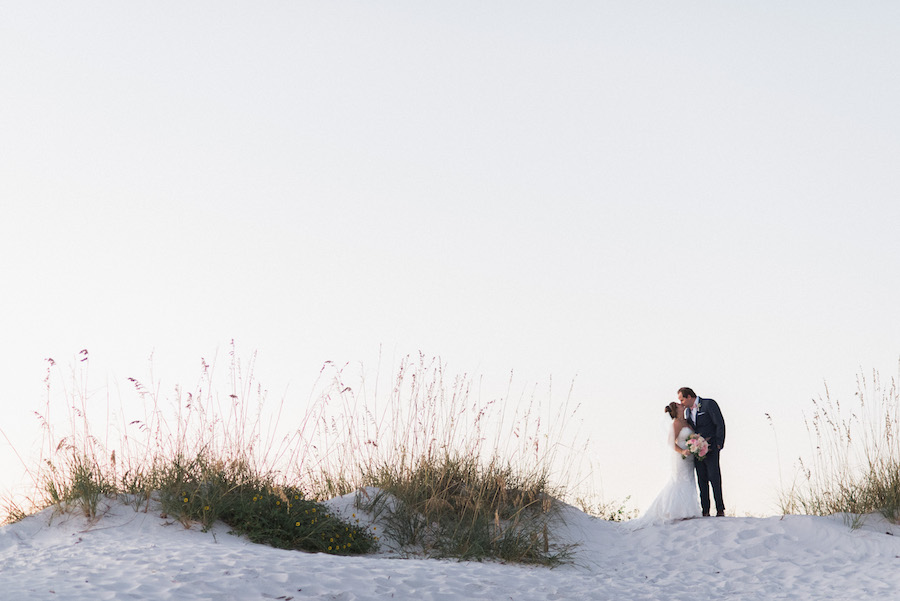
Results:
698 446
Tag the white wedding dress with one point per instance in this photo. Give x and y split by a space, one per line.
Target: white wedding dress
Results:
679 499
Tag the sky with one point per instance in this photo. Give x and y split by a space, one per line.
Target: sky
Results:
624 197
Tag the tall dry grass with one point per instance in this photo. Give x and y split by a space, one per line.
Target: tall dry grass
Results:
202 455
459 475
854 465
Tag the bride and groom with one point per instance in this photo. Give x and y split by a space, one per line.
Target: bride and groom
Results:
678 499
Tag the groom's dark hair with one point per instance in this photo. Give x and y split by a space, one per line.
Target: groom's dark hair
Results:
687 392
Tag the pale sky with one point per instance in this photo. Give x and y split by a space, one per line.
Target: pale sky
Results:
636 195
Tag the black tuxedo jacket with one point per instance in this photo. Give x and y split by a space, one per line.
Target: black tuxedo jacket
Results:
710 424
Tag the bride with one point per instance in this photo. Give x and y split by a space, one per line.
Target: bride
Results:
678 499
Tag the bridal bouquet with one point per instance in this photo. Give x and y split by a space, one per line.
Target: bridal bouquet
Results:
698 446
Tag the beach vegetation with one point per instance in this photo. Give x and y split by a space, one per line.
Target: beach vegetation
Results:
853 467
444 473
455 476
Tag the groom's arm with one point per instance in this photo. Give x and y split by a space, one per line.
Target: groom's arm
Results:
719 421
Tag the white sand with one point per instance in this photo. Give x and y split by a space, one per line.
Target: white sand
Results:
134 555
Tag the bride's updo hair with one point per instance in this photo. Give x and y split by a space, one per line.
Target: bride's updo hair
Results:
672 409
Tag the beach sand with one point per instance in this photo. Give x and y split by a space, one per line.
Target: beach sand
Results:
128 554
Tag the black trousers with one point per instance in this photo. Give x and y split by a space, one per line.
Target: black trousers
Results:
708 473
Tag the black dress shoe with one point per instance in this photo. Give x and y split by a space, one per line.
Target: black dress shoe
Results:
706 514
720 514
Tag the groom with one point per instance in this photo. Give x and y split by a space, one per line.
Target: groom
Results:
706 419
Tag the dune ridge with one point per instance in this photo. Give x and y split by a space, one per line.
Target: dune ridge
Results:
128 554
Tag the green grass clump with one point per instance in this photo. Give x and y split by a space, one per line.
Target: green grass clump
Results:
202 492
854 468
283 518
80 484
454 506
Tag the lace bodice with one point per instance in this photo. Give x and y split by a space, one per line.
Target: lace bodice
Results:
681 441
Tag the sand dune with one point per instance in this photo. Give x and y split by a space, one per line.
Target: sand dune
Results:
134 555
